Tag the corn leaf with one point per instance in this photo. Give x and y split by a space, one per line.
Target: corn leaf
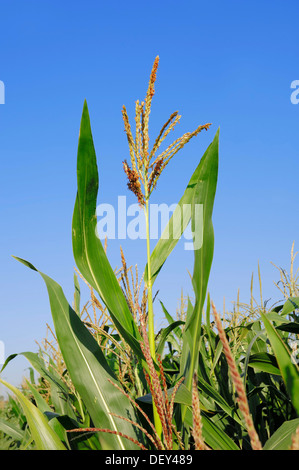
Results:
77 295
203 193
165 332
281 439
59 391
45 408
89 371
290 327
264 362
43 435
11 430
289 370
88 250
171 320
214 437
291 304
177 224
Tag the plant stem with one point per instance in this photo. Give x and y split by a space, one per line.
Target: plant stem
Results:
151 326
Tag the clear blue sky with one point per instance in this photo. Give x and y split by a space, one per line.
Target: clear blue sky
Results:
230 63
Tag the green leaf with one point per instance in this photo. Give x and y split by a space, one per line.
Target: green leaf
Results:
59 391
289 370
281 439
77 295
165 333
183 396
248 353
214 437
217 398
208 329
187 339
264 362
290 327
40 402
291 304
17 411
39 365
171 320
44 436
11 430
89 371
43 406
276 317
203 193
88 250
217 354
177 224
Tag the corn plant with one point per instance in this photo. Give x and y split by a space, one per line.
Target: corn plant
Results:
108 381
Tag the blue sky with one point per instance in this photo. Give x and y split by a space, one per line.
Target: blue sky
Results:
229 63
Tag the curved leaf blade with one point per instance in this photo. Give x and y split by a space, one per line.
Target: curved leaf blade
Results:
289 370
291 304
282 437
89 370
88 250
204 193
44 436
177 224
165 333
215 437
264 362
11 430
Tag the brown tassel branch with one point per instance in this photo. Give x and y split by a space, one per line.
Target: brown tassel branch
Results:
238 383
